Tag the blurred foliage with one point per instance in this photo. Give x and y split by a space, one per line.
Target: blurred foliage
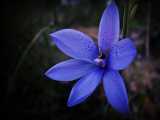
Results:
33 96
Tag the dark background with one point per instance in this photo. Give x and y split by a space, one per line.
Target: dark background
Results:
27 94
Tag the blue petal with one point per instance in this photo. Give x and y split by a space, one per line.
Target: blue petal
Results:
69 70
109 27
115 91
84 87
75 44
122 54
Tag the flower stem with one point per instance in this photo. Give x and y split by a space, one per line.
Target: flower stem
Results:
11 80
125 20
147 46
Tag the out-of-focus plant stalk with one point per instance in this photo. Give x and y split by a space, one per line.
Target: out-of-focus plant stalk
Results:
11 81
129 11
125 20
147 47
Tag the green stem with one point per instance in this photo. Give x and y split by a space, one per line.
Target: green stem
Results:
147 46
125 21
11 80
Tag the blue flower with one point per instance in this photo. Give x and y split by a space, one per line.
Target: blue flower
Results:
91 64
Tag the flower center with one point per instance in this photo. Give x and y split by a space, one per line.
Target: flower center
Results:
100 62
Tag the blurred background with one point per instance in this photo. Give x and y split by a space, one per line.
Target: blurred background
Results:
27 52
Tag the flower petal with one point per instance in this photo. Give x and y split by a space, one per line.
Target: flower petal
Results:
75 44
109 27
122 54
115 91
70 70
84 87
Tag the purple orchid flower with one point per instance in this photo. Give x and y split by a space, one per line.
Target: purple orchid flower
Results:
92 64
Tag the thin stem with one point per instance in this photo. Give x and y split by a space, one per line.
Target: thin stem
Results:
148 32
125 20
11 80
